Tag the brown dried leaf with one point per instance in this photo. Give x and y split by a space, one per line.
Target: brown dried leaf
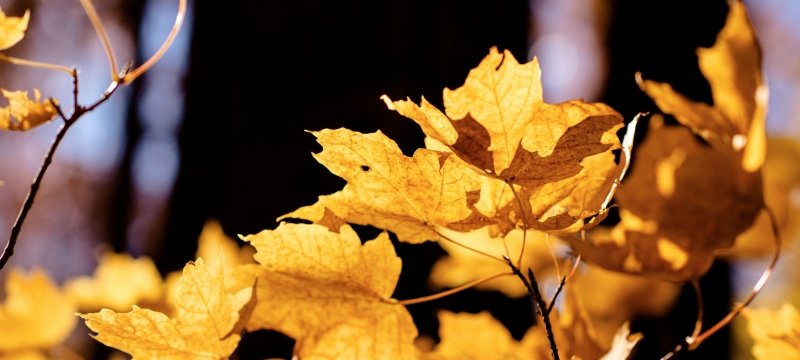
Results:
682 202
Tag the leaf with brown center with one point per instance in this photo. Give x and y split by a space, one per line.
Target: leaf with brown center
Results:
499 124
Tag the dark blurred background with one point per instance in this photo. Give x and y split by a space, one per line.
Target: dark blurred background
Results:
216 130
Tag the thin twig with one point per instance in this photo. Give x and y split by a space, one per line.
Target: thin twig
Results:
692 342
8 251
698 324
35 64
91 12
450 291
756 288
524 225
454 242
77 113
563 282
176 27
536 295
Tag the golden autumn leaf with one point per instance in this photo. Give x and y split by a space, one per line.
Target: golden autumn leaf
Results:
12 29
24 113
388 190
35 313
24 355
681 203
330 293
118 282
479 336
213 245
499 124
202 327
732 67
462 266
776 333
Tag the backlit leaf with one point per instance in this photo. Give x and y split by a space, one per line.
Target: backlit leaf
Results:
776 333
388 190
118 282
12 29
35 313
202 327
330 293
24 113
498 123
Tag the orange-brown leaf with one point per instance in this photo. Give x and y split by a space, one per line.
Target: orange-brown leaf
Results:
682 202
735 122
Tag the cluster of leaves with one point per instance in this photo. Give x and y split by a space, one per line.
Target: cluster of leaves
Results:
504 181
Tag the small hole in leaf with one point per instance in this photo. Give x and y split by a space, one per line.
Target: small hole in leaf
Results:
365 168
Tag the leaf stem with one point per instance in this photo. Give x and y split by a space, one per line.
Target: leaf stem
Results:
452 291
77 113
524 225
454 242
563 282
756 288
533 289
36 64
692 342
91 12
176 27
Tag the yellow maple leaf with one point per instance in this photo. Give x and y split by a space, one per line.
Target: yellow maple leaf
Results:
118 282
12 29
213 245
776 333
35 314
682 202
330 293
499 124
201 329
479 336
388 190
732 66
24 113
